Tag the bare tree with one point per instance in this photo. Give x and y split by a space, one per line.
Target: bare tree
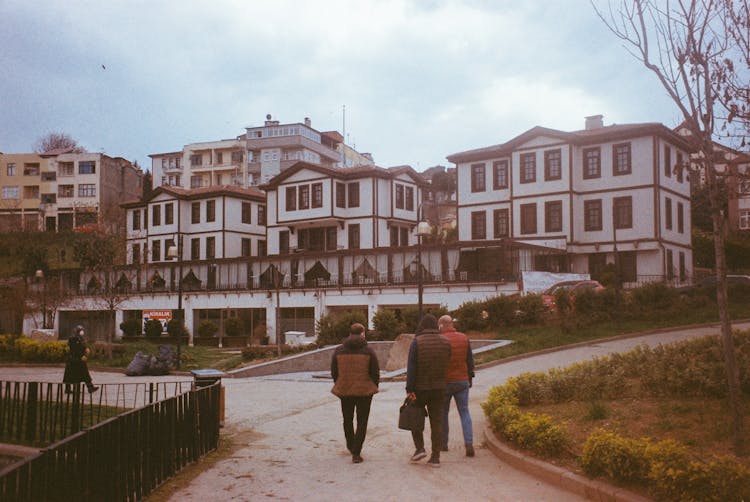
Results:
55 140
685 44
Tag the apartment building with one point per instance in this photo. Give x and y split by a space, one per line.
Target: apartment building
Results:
596 193
254 157
61 190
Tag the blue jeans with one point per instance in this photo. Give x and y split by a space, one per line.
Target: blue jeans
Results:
460 392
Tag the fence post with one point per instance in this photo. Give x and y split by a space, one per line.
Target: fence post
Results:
150 392
32 405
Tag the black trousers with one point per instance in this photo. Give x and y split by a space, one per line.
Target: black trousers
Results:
433 399
360 405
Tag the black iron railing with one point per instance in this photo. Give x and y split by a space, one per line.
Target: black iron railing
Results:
122 458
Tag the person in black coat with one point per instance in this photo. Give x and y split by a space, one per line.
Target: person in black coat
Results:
76 369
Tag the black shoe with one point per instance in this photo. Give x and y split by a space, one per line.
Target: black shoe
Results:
357 459
469 450
443 448
418 455
93 389
434 461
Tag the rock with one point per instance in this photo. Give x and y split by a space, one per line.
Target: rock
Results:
399 354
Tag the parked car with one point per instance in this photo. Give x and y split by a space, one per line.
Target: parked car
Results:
573 288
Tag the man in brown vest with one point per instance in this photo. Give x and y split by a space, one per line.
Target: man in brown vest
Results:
425 381
356 375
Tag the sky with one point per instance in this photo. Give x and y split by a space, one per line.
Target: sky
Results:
419 80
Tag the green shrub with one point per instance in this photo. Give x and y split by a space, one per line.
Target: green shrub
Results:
176 327
722 479
619 458
153 328
7 345
265 351
470 317
530 309
502 310
233 326
132 327
333 329
207 328
387 326
33 351
538 433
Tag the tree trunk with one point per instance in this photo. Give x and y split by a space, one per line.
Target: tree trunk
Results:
722 299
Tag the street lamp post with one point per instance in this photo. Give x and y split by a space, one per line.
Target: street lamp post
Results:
423 229
39 274
175 252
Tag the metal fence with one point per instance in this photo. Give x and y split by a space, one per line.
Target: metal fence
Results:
123 457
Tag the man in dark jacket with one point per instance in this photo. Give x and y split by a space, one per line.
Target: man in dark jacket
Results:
425 381
356 375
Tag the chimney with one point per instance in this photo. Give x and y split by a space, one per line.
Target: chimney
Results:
594 122
307 122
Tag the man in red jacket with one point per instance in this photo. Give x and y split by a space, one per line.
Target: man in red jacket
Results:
458 378
356 375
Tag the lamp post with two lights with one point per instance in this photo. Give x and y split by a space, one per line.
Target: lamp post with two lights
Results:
175 252
423 229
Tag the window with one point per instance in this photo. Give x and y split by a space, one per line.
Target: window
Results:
682 266
49 198
553 216
86 167
478 225
169 213
340 195
261 215
195 212
592 214
592 165
246 243
501 223
49 176
136 253
210 248
10 169
680 218
262 249
291 198
210 210
31 169
552 165
137 219
621 159
528 168
667 161
304 197
668 213
353 189
745 220
156 251
628 266
219 158
528 218
680 168
87 190
623 212
409 198
477 178
196 181
404 236
236 157
670 265
500 175
65 169
156 216
399 196
196 160
317 195
284 242
65 191
10 193
394 236
354 236
247 213
195 249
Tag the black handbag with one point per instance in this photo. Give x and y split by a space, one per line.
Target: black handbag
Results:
411 416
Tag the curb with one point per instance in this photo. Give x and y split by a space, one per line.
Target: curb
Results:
558 476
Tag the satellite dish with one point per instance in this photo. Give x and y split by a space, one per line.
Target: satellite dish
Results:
268 116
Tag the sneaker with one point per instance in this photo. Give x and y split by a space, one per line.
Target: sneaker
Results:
418 455
443 448
357 459
434 462
93 389
469 450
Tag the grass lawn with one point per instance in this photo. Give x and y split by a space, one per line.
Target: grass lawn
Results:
192 357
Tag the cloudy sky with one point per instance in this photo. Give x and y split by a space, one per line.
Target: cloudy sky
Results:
420 79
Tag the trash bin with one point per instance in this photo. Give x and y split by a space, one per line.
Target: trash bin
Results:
206 377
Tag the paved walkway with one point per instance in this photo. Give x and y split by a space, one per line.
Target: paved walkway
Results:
291 445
